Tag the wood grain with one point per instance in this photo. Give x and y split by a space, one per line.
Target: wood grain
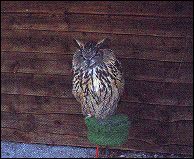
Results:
153 92
126 46
16 103
132 68
54 124
61 86
9 134
143 8
170 27
157 132
151 39
30 84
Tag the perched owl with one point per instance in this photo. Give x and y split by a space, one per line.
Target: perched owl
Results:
97 79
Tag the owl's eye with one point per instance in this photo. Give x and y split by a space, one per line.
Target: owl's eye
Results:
98 55
81 53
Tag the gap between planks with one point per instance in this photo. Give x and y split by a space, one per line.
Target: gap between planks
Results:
122 100
76 114
128 79
114 33
56 53
94 13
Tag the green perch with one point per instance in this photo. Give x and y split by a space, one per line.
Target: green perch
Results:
113 132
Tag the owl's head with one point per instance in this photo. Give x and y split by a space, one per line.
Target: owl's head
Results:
89 53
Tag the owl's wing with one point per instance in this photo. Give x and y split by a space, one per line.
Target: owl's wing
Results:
110 59
76 60
76 77
120 81
119 67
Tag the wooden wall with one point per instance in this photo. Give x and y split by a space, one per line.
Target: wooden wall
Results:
154 43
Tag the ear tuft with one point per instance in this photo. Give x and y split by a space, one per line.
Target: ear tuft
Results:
103 42
78 44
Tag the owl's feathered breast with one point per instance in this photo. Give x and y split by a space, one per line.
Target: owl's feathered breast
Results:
98 88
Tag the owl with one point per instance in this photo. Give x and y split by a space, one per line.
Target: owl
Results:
97 79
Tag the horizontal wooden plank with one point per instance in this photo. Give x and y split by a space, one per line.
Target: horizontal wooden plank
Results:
53 123
126 46
68 124
39 104
175 149
132 68
60 67
172 133
157 71
166 93
163 113
48 105
142 8
154 26
16 135
61 86
161 133
37 84
9 134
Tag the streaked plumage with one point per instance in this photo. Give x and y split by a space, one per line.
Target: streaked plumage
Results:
98 81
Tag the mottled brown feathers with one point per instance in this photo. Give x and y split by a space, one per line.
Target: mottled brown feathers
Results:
98 81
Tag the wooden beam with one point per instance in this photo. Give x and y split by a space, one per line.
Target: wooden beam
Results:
131 25
60 86
124 46
142 8
29 104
